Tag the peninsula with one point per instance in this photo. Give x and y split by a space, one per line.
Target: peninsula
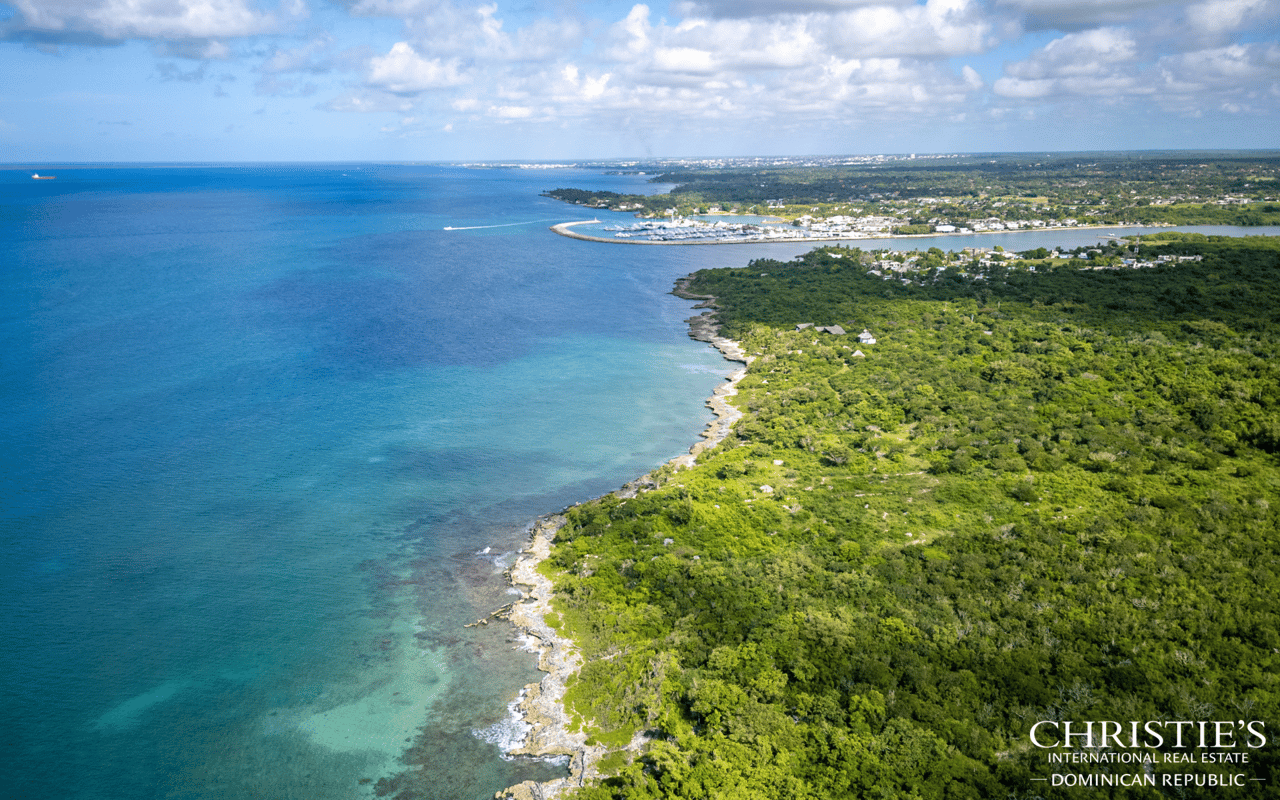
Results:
682 231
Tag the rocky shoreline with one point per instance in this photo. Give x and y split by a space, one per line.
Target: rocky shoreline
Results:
541 705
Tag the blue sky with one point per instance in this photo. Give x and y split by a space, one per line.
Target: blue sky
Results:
236 80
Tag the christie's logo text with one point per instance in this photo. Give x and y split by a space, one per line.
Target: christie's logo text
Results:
1180 734
1177 753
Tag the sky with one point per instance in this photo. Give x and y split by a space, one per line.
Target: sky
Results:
455 80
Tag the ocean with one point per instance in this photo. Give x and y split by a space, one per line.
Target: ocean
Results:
273 433
271 436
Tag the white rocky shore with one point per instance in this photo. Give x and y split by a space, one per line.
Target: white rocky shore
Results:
541 705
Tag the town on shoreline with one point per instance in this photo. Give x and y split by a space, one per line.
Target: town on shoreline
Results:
900 196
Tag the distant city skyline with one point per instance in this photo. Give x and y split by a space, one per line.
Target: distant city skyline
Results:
446 80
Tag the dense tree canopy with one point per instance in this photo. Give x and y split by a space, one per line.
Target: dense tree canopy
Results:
1038 496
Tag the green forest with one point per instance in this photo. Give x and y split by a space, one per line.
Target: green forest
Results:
1174 188
1046 495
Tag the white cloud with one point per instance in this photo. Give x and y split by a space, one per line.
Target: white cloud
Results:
745 45
581 86
785 70
733 65
743 65
937 29
443 28
405 9
754 60
1237 69
542 40
1089 53
1101 62
403 71
684 59
1067 15
511 112
881 85
1109 65
764 8
1221 16
1023 88
629 38
118 20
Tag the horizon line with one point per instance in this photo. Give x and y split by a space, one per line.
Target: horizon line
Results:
906 156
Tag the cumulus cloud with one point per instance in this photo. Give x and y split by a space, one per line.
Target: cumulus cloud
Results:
1089 53
764 8
543 40
841 64
1110 65
937 29
584 86
108 21
881 85
630 37
511 112
407 9
403 71
781 64
1223 16
1068 15
1099 62
1243 70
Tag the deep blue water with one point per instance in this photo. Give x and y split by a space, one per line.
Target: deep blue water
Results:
271 435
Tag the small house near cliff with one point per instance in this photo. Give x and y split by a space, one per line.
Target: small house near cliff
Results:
866 338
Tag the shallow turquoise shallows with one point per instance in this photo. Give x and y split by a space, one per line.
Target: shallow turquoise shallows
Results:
271 435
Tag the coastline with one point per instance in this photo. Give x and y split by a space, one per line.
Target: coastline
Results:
566 229
541 705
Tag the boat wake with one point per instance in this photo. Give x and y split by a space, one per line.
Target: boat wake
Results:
503 225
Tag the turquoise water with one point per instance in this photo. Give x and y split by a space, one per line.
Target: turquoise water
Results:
271 436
